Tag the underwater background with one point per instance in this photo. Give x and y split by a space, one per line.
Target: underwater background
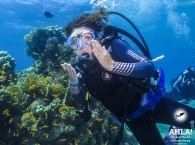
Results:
167 26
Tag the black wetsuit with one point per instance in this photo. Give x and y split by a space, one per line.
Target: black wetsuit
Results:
121 94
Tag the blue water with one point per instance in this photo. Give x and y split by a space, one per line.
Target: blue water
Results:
167 26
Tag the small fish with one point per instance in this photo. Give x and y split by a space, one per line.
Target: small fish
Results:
62 140
11 120
99 119
6 112
44 126
56 124
63 117
45 99
48 14
32 87
114 128
34 130
42 92
15 103
46 115
56 95
20 126
89 132
65 108
47 135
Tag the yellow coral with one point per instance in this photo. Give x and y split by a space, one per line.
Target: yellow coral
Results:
2 72
2 78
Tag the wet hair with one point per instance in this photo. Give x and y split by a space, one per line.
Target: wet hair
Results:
96 21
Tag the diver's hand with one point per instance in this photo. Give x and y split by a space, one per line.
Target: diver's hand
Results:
102 56
73 78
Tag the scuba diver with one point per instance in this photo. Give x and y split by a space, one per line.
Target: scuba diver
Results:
183 87
183 90
124 80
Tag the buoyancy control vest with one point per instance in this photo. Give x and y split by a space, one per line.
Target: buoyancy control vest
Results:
111 91
115 92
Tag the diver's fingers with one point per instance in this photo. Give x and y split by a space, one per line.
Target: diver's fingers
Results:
70 70
72 73
67 67
96 53
64 66
98 47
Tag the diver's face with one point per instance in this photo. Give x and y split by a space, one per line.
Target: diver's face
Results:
81 41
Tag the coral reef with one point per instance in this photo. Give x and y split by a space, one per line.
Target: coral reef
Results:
7 68
46 45
48 114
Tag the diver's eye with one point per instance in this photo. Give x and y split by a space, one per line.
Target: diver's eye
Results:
74 40
88 37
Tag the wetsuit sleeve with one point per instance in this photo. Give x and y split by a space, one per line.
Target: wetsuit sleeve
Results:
129 62
75 89
76 93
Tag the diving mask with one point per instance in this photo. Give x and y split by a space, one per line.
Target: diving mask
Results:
79 39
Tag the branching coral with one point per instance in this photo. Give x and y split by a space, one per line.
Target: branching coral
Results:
46 45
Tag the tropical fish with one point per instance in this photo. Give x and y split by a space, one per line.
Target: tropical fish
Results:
56 95
6 112
32 87
62 140
56 125
11 120
48 14
34 130
44 126
46 115
20 126
65 108
89 132
47 135
99 119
